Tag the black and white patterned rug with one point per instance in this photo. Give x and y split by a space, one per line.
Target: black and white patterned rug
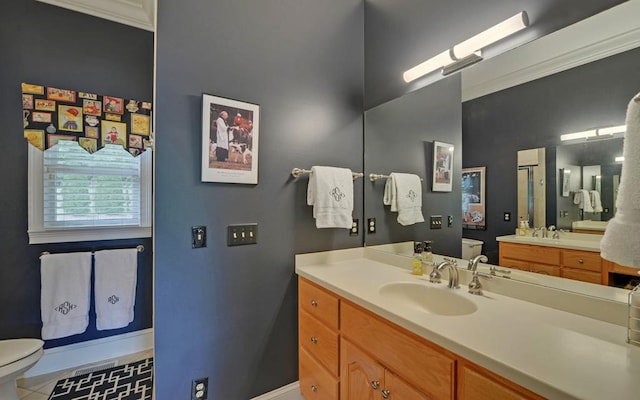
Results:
132 381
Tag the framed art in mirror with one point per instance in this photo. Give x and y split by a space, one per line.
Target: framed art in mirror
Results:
442 166
230 130
473 198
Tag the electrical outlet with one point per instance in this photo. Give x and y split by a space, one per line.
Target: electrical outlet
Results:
199 389
436 222
198 237
371 225
238 235
506 216
355 229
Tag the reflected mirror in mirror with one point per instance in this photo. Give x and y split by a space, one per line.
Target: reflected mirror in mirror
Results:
592 167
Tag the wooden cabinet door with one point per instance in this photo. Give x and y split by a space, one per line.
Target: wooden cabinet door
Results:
361 377
397 389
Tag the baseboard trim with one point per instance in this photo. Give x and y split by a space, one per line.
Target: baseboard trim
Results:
289 392
92 351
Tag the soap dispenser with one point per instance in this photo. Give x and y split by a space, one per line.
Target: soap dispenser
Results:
416 263
427 255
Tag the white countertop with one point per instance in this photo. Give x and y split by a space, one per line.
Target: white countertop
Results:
557 354
575 241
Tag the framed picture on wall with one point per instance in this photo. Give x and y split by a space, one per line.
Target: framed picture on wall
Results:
473 198
442 166
230 133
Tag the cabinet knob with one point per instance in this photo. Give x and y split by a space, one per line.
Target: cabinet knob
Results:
581 261
314 388
314 303
385 394
314 340
375 385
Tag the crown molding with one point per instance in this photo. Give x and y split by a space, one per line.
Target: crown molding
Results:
136 13
608 33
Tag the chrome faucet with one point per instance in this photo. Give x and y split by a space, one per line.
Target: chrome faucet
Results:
453 274
541 229
473 263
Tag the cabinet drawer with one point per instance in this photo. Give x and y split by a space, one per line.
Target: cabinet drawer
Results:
481 384
544 269
318 302
315 382
516 264
587 260
538 254
320 341
421 364
582 275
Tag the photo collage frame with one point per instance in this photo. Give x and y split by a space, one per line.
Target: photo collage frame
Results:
51 114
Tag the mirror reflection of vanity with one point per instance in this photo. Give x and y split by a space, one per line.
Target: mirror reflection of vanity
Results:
532 114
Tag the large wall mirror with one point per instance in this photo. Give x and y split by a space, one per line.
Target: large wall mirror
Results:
529 114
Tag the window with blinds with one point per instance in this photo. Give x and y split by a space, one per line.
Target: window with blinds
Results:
78 196
82 189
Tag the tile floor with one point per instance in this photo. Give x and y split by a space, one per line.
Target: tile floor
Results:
40 387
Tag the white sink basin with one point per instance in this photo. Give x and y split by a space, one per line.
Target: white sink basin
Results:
433 300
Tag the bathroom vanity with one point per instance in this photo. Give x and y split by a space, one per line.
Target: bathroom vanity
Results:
370 329
574 256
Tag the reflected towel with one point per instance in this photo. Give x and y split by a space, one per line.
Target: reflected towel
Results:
115 287
330 192
403 192
596 203
65 291
583 200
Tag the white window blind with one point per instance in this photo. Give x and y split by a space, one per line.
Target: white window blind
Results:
90 190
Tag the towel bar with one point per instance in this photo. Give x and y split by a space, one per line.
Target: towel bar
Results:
139 247
298 172
375 177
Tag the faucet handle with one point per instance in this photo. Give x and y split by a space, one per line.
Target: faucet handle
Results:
475 287
434 276
493 270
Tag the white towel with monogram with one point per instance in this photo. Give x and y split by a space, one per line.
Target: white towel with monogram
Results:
403 192
330 192
65 292
116 275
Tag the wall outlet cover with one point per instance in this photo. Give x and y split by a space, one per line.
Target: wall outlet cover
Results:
371 225
199 389
355 228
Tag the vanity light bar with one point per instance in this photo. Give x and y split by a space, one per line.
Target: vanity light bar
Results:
620 159
497 32
467 49
594 133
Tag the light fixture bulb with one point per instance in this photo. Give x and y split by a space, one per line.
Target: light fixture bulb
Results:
491 35
430 65
578 135
612 130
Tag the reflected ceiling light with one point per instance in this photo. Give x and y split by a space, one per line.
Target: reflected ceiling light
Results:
469 51
578 135
597 133
612 130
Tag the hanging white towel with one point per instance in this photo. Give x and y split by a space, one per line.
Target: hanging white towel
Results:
583 200
596 203
403 192
330 192
65 291
116 274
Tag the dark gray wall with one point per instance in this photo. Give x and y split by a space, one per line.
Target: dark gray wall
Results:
51 46
230 313
401 34
535 114
400 135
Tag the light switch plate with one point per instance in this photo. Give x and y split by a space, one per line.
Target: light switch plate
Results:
238 235
198 236
436 222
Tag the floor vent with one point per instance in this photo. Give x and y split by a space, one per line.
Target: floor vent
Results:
95 368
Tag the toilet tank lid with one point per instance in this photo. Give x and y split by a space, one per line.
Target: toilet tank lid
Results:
13 350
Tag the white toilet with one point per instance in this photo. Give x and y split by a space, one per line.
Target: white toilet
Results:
16 357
